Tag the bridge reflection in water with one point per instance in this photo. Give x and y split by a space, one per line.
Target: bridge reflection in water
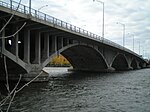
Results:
44 36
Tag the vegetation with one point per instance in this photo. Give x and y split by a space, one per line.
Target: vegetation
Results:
59 61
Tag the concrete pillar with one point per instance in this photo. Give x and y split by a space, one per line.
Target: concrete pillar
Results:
67 41
3 40
54 44
37 48
14 48
62 43
55 41
27 46
57 45
45 51
138 65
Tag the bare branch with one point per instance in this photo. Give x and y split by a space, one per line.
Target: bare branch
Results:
11 101
1 110
7 82
15 32
10 17
4 100
29 82
14 91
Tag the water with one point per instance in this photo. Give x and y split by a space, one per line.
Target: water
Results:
87 92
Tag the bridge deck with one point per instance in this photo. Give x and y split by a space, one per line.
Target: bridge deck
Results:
63 27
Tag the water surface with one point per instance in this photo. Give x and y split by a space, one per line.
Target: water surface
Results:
87 92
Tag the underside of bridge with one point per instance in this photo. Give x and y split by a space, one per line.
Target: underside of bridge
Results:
84 58
134 64
120 63
11 67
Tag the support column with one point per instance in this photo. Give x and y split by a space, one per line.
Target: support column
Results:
54 44
67 41
37 48
3 40
62 42
55 41
27 46
45 51
14 49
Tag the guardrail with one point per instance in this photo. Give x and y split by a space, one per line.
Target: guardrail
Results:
52 20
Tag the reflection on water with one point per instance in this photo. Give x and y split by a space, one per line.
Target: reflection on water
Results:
87 92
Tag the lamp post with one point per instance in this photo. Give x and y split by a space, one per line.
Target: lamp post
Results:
103 16
139 47
30 7
133 40
123 33
42 7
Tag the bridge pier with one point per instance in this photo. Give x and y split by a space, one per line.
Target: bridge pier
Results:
43 76
37 59
26 46
45 51
110 69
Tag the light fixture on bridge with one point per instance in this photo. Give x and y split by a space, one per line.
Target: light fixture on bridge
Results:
133 39
42 7
123 32
102 16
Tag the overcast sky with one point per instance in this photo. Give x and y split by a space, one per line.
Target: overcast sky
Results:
135 14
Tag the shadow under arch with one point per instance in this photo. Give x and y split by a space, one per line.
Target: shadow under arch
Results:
134 64
120 62
82 58
85 58
141 64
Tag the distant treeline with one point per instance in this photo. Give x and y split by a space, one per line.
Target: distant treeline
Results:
59 61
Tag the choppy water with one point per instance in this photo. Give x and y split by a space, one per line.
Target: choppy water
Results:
87 92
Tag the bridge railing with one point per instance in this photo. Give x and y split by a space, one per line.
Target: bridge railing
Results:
57 22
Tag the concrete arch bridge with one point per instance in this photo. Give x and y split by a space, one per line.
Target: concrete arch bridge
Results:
44 36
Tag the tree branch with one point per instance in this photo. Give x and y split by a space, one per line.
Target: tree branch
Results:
4 100
29 82
6 72
10 17
15 32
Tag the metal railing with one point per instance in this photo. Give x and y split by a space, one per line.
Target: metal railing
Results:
57 22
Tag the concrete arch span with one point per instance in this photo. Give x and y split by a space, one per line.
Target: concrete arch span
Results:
120 62
15 63
12 67
83 58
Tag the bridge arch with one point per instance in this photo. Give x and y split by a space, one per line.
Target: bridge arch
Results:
134 64
120 62
83 58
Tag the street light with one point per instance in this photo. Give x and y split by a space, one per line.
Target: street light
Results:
133 40
139 47
42 7
103 16
123 33
30 7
